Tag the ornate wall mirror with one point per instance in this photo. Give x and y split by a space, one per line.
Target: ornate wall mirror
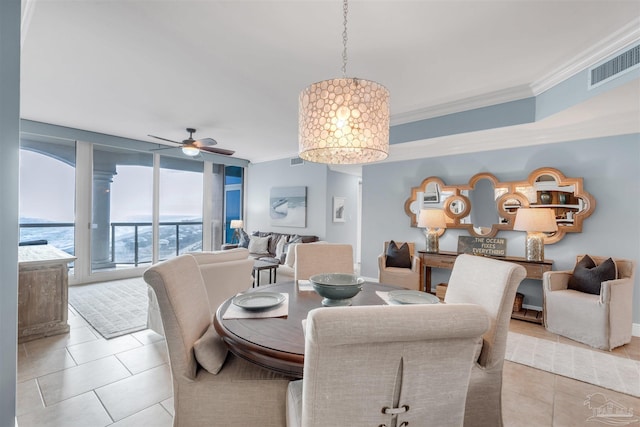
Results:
485 205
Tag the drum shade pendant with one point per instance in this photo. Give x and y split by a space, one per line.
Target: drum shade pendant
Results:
344 120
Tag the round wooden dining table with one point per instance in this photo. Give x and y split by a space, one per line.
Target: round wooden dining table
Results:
277 343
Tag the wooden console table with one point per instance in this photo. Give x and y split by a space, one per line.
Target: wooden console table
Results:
42 291
445 259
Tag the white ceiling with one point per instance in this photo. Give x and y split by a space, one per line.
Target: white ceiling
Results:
234 69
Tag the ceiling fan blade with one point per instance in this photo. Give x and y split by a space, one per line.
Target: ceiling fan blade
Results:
205 142
165 139
217 151
163 148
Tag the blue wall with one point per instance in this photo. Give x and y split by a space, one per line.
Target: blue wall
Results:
261 177
611 171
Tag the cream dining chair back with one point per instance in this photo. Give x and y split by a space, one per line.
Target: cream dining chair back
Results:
386 366
202 397
312 258
492 284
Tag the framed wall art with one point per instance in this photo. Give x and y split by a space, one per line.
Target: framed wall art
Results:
338 209
288 206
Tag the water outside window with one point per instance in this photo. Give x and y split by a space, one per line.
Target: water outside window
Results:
121 233
47 193
180 230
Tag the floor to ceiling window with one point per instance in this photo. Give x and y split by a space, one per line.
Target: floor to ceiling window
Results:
122 207
119 209
47 192
233 198
180 212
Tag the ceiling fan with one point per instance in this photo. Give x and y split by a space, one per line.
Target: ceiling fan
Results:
192 147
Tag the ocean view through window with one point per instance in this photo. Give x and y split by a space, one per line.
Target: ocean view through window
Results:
115 228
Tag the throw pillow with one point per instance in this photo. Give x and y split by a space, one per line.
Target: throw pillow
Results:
398 256
587 276
290 258
210 350
244 239
290 251
258 245
280 253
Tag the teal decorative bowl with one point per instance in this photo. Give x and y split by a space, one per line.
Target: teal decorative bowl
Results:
336 288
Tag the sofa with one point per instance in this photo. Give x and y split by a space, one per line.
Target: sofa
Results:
274 247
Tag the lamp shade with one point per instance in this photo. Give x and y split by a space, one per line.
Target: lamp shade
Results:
344 121
432 218
534 219
236 223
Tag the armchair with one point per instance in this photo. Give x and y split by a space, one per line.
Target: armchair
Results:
386 366
406 277
492 284
601 320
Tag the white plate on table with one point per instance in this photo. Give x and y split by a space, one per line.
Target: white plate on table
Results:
258 300
413 297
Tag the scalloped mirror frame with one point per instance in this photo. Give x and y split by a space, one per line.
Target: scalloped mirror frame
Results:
509 191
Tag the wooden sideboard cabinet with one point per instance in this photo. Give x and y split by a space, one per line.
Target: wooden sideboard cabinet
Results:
42 291
445 260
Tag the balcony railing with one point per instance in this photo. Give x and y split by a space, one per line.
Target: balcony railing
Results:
173 234
130 242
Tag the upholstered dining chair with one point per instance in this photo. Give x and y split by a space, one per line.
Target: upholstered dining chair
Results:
386 366
599 317
492 284
311 259
210 387
225 273
397 267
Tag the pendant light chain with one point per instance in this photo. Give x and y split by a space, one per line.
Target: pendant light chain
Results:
345 9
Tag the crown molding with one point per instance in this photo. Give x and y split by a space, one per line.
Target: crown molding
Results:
466 104
625 36
514 136
615 42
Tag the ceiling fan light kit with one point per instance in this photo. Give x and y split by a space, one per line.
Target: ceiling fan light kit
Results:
192 147
190 150
345 120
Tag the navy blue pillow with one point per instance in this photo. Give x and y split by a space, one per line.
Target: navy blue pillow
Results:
244 239
398 256
587 277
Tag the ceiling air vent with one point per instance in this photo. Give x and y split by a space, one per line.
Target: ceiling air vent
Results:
296 161
626 61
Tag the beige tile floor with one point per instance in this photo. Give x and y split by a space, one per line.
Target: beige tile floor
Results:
81 379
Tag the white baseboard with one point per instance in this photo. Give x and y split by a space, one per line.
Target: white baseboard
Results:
635 330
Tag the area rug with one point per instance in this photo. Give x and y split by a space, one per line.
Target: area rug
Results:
112 308
593 367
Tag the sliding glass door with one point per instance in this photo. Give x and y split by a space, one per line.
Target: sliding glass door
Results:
180 212
122 206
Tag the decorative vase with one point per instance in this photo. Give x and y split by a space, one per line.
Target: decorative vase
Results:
562 198
545 198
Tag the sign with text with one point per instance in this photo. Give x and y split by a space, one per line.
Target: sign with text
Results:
493 246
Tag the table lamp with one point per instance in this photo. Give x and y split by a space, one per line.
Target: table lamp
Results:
236 225
535 222
431 220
